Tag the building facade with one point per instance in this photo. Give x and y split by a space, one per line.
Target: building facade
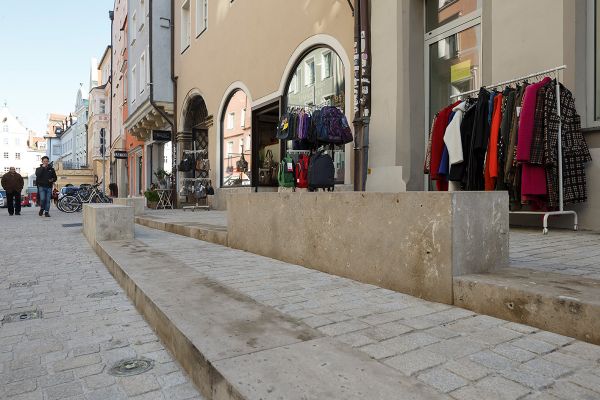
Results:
14 149
98 117
262 70
149 90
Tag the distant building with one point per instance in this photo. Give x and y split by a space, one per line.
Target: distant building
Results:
98 115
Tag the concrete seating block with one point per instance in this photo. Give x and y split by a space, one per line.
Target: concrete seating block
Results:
411 242
138 203
107 222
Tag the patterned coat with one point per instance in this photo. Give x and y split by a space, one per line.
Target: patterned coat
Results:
574 148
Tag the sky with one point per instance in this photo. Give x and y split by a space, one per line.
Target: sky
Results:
46 47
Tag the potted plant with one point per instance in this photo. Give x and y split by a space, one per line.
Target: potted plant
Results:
151 196
163 178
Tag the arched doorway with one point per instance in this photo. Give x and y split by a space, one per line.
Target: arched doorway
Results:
236 141
193 149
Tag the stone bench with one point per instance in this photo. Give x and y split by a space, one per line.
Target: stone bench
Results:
138 203
411 242
107 222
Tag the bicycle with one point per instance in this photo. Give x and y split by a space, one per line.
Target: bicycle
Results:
73 203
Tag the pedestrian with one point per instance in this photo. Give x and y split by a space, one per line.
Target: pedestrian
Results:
45 177
12 182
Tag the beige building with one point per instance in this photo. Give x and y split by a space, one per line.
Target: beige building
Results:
276 60
422 53
98 117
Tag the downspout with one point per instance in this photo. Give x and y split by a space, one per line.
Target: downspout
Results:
111 15
362 91
158 109
174 78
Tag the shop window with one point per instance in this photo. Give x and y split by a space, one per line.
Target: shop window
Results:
186 23
236 152
328 90
441 12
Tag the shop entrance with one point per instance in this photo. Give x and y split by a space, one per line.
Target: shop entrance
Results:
266 148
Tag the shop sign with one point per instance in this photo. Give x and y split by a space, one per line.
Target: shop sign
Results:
120 154
161 136
461 71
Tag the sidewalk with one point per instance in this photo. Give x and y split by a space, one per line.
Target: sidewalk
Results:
68 352
455 352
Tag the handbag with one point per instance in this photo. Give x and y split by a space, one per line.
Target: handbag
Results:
241 164
202 164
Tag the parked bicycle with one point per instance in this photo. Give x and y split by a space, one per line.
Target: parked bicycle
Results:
88 194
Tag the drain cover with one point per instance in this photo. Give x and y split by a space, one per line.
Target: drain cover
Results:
23 284
72 225
100 295
22 316
132 366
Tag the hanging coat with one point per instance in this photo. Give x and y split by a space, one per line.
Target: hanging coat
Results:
491 165
508 101
574 149
437 140
479 141
458 170
527 120
452 137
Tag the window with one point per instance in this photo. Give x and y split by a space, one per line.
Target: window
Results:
142 72
294 83
6 169
185 25
102 107
143 16
6 155
17 156
38 158
241 143
133 81
17 141
309 72
4 128
243 118
229 148
230 120
201 16
440 12
5 140
134 30
18 170
326 68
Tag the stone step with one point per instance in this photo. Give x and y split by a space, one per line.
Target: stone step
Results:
197 230
568 305
235 348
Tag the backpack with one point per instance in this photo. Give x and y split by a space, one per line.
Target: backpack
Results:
335 126
302 171
186 165
321 172
283 130
285 175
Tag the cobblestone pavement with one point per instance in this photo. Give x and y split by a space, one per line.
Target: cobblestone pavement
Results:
68 352
460 353
561 251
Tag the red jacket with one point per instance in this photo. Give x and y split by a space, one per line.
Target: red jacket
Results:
437 139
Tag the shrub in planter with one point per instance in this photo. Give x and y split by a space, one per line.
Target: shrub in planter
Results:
151 198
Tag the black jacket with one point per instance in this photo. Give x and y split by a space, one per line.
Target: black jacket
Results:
45 177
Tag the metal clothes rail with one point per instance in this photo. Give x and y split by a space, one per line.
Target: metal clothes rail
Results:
561 210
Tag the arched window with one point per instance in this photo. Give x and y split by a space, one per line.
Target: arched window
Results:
316 82
236 134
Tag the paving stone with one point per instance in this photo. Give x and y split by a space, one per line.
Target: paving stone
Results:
456 347
583 350
513 352
410 341
415 361
172 379
553 338
113 393
526 329
76 362
467 369
587 380
495 335
98 381
492 360
535 346
528 378
442 379
63 390
568 360
317 321
180 392
569 391
343 327
55 379
386 331
491 388
547 368
16 388
138 384
355 339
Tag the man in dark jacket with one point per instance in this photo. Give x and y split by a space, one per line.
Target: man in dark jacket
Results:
45 179
12 182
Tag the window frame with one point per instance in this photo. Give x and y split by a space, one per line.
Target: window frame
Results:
309 73
200 29
326 69
592 80
142 20
185 33
142 72
134 30
133 83
230 121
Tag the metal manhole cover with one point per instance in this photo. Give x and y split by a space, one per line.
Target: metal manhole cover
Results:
23 284
22 316
100 295
72 225
132 366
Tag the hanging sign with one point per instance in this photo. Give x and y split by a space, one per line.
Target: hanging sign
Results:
161 136
120 154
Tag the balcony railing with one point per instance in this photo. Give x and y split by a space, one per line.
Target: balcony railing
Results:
74 165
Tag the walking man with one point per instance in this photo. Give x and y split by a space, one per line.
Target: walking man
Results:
45 178
12 182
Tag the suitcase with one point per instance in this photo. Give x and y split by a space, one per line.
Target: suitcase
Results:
321 172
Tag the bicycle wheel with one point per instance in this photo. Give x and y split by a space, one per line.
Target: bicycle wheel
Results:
70 204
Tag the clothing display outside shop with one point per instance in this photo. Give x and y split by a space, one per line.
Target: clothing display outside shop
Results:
313 131
508 140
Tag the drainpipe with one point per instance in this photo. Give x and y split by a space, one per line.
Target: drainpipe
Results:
111 15
174 134
152 102
362 91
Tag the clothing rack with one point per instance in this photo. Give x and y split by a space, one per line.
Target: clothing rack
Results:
195 179
203 151
561 210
